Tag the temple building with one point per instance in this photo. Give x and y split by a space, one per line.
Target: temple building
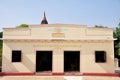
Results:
58 48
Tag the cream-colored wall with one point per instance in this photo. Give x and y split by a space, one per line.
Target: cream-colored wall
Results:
87 58
44 37
27 64
70 32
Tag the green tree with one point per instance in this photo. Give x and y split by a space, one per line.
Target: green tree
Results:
22 26
117 42
1 33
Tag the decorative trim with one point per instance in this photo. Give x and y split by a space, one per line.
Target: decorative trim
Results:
16 74
57 41
56 74
59 35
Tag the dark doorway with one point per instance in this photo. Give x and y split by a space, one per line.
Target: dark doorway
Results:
43 61
71 61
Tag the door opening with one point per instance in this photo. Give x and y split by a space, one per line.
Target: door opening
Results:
43 61
71 61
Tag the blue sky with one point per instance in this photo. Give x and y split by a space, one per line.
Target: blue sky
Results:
88 12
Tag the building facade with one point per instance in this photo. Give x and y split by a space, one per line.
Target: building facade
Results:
58 48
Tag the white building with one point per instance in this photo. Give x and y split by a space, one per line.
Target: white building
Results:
58 48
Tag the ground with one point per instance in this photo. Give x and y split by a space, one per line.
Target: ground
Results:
58 78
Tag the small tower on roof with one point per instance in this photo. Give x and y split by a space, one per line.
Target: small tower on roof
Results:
44 20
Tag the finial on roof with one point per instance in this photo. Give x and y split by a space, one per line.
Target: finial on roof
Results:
44 20
44 14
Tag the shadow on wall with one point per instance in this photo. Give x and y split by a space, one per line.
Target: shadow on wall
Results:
109 65
7 66
28 63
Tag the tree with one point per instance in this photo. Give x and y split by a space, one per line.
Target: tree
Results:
22 26
97 26
117 42
1 33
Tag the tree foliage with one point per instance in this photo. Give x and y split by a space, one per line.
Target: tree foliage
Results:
117 42
22 26
1 33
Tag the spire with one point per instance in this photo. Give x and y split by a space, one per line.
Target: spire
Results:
44 20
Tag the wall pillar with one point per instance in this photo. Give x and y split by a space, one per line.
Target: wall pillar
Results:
116 63
58 63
